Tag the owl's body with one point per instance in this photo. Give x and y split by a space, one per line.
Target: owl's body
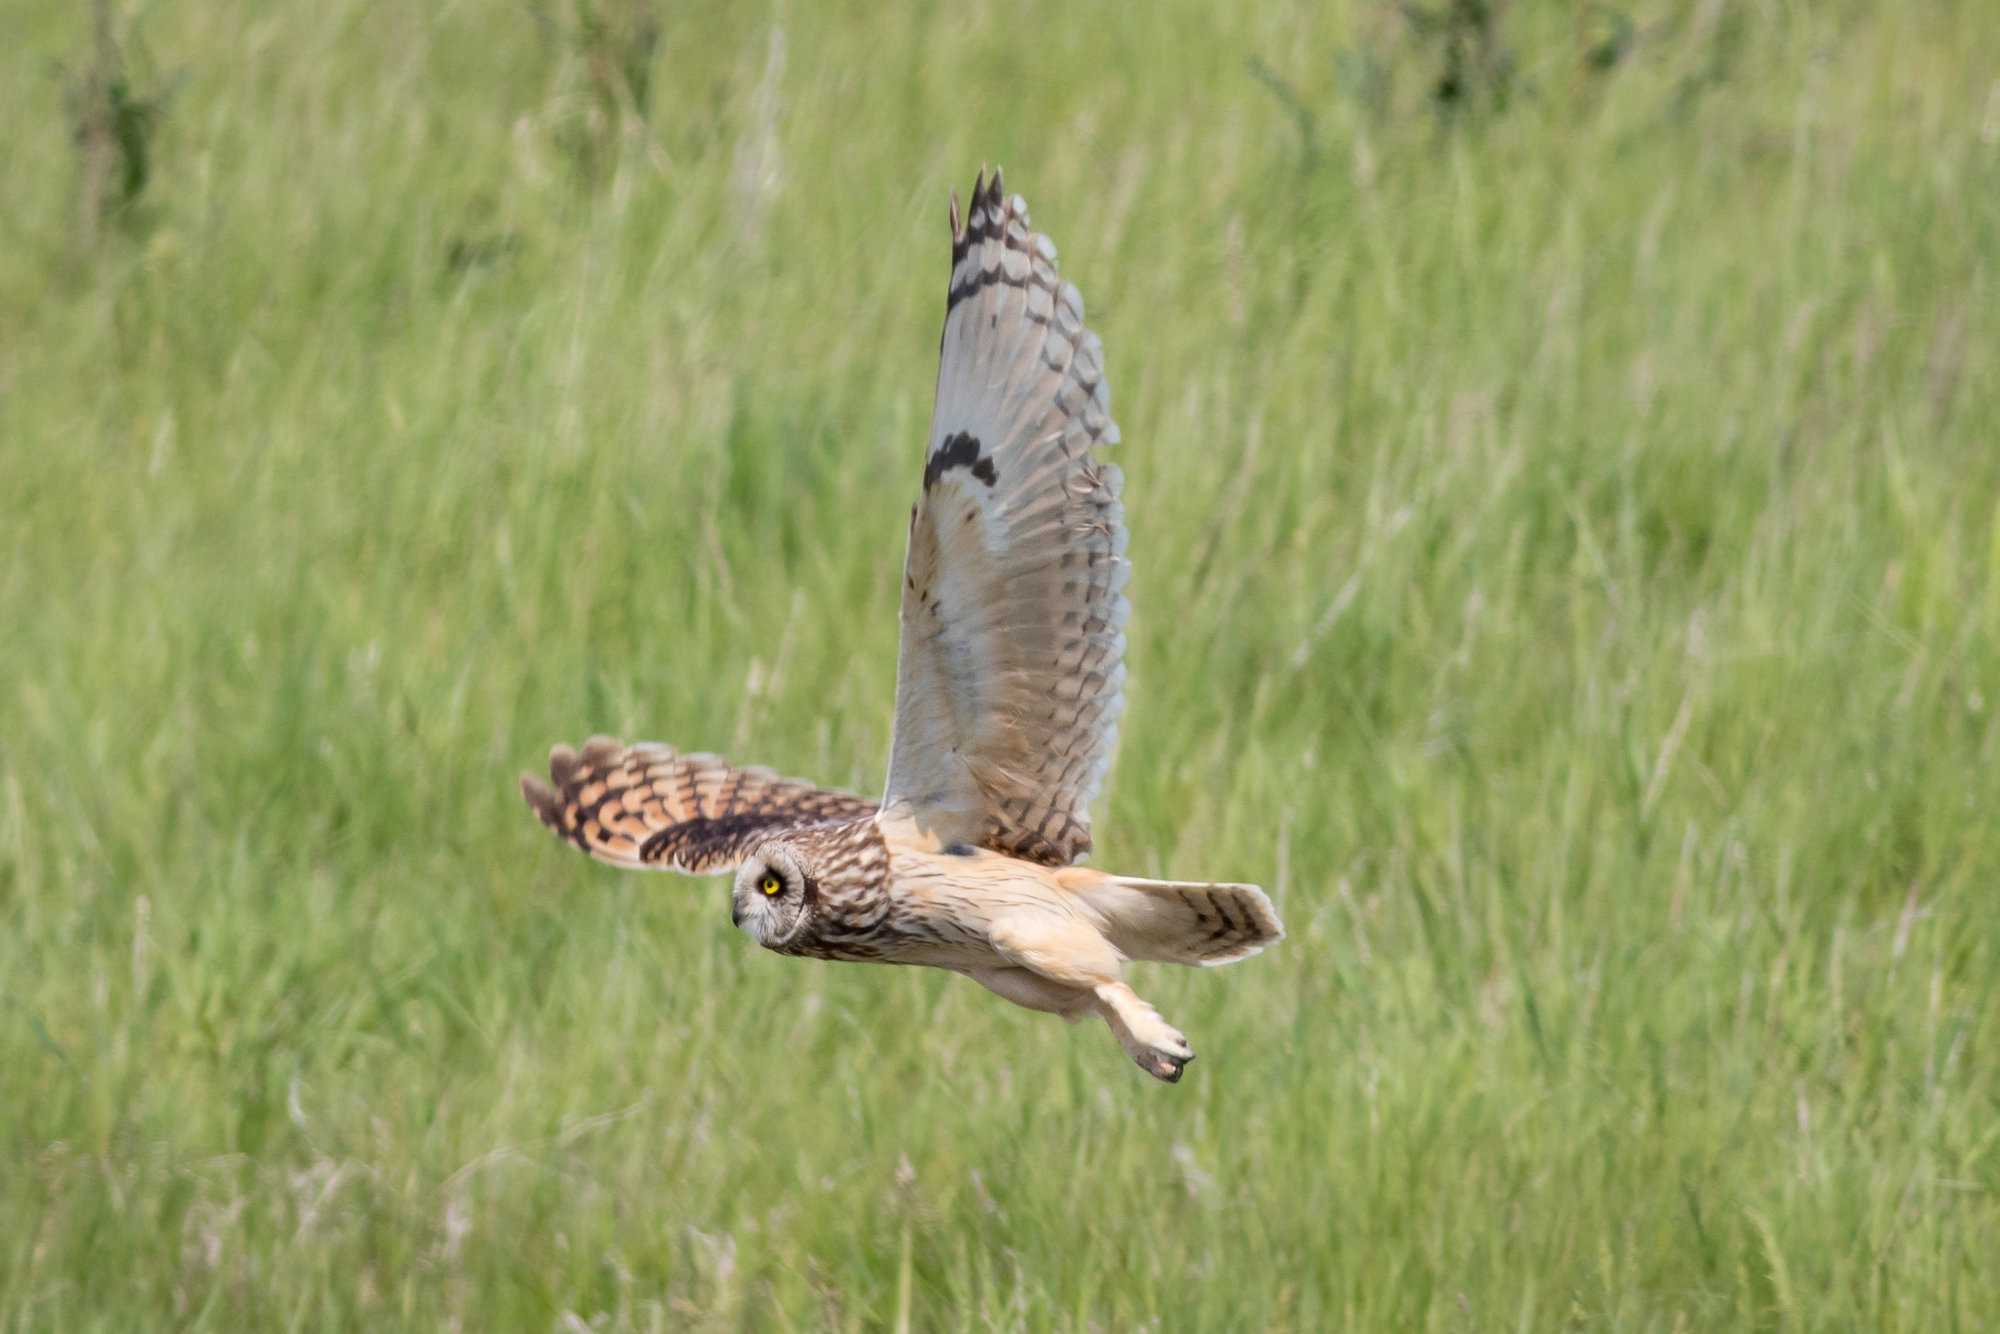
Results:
1009 685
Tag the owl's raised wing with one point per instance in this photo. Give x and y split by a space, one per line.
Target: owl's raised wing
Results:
1011 674
648 807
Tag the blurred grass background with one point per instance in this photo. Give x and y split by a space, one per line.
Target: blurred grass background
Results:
1562 482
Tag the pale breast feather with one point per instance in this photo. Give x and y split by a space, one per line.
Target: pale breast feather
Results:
1011 674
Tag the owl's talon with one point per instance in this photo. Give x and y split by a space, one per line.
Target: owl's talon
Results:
1164 1067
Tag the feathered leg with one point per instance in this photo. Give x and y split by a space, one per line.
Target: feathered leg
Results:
1068 952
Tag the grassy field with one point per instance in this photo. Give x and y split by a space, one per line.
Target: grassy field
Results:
1566 539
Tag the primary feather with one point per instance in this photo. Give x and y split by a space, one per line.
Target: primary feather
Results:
1011 673
649 806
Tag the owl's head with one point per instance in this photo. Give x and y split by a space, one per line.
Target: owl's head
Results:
774 889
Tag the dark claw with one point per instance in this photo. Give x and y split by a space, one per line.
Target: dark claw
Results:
1166 1067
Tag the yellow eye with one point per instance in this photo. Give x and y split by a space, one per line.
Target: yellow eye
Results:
770 884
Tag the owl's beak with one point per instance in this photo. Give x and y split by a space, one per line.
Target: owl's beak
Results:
735 913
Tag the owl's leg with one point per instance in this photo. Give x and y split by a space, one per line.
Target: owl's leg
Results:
1154 1043
1074 956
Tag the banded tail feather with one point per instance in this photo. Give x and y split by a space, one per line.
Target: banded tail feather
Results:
1185 922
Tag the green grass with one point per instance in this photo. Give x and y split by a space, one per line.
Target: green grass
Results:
1566 553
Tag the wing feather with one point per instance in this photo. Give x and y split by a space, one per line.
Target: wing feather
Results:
1011 674
649 807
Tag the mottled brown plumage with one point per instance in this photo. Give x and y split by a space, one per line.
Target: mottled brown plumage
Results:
650 806
1008 690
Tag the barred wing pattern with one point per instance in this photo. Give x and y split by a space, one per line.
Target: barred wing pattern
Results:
1011 674
648 807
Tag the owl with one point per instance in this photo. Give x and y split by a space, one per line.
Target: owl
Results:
1009 685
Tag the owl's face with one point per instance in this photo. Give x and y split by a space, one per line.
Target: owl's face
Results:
774 887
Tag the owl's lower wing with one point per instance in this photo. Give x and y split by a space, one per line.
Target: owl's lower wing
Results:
1011 673
649 807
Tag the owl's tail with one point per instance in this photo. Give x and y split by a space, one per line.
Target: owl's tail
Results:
1167 921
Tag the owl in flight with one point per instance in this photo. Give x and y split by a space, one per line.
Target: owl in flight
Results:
1008 689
